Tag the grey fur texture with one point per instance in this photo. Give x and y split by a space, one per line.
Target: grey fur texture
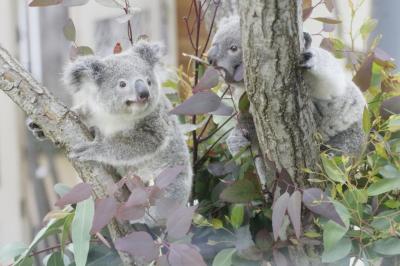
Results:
339 103
119 96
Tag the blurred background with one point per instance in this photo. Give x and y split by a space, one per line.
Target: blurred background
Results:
28 168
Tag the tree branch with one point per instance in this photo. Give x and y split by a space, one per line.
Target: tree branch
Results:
63 128
282 111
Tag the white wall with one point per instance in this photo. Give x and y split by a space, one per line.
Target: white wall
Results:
11 225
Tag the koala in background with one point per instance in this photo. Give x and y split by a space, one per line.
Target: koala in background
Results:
119 96
226 54
339 103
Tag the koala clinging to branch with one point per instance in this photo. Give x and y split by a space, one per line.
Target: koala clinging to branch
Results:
339 103
120 97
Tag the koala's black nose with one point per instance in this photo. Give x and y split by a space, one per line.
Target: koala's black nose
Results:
211 55
142 90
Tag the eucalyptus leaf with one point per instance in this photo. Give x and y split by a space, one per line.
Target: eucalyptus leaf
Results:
224 257
339 251
383 186
80 230
389 246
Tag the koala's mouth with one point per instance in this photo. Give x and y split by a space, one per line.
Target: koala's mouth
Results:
139 102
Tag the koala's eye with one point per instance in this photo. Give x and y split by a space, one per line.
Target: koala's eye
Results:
122 84
234 48
148 82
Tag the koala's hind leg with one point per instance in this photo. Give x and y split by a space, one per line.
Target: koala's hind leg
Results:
35 129
351 141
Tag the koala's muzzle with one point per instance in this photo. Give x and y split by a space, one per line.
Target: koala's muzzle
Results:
142 91
212 55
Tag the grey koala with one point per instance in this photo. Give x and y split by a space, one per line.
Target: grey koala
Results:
226 54
339 103
120 97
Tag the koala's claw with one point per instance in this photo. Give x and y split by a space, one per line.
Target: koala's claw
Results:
35 129
305 60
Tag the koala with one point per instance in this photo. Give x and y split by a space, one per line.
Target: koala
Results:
226 54
339 103
119 97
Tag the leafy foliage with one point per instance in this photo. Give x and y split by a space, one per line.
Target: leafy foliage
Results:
348 208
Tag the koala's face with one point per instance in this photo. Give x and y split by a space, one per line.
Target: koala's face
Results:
118 84
226 49
127 87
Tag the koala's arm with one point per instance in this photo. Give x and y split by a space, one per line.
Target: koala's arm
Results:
127 147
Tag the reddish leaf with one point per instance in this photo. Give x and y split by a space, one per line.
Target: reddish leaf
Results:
154 194
167 176
184 255
363 76
294 211
139 244
209 80
166 207
104 212
327 44
78 193
279 258
316 201
307 13
139 196
178 224
200 103
330 5
130 213
278 212
44 2
223 110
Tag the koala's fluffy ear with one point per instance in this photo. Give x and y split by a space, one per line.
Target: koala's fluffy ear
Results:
83 69
149 51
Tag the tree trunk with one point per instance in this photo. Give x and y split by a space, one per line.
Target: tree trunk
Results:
63 128
271 39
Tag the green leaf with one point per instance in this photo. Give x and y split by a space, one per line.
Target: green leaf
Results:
224 257
65 230
85 50
56 259
339 251
366 121
237 215
10 251
367 27
332 170
383 185
394 123
328 20
392 204
332 234
389 246
389 171
41 3
384 220
51 228
69 31
244 103
80 229
242 191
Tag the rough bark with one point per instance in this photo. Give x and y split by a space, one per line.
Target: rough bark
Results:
282 110
62 127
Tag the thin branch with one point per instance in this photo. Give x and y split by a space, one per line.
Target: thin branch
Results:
63 128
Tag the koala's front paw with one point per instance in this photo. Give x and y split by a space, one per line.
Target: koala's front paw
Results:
35 129
306 60
84 152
